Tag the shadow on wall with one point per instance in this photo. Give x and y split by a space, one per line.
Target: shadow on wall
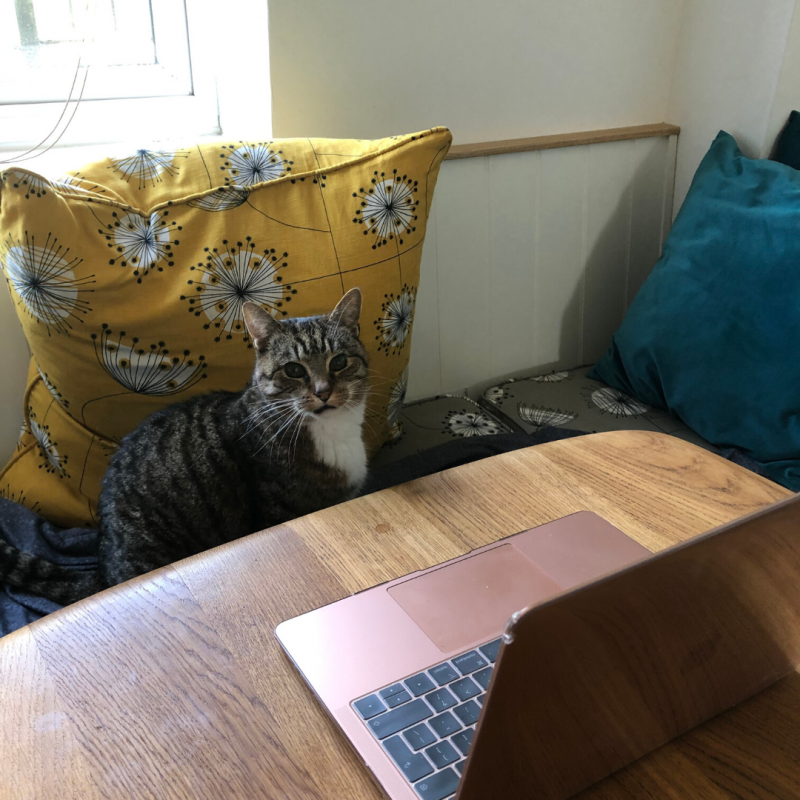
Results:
622 255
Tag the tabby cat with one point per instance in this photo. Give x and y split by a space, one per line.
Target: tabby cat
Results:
225 464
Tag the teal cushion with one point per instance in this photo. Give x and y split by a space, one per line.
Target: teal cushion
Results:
714 334
787 148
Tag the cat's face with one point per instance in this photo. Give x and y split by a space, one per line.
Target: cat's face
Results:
311 366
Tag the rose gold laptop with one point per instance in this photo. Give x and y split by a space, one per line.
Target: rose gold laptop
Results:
445 684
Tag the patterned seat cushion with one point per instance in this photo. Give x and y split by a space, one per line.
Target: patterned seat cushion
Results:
572 400
424 424
530 403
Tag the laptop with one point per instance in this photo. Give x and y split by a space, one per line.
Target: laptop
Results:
540 664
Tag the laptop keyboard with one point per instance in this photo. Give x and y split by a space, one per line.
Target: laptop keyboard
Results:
426 722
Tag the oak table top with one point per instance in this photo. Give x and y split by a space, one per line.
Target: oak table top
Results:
173 685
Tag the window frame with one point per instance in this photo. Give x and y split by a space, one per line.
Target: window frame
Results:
222 99
166 72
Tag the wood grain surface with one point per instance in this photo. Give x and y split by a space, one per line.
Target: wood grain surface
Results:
556 140
173 685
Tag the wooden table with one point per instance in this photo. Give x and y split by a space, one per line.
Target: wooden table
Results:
173 686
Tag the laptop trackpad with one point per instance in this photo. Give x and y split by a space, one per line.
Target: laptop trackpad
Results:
473 598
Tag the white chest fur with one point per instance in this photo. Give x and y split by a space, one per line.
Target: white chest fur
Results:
337 436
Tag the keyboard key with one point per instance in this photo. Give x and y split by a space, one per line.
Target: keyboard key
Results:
419 684
465 688
419 736
468 713
442 754
398 699
395 688
463 740
460 766
413 766
479 699
438 786
404 717
483 677
368 707
443 674
441 699
469 662
445 724
491 650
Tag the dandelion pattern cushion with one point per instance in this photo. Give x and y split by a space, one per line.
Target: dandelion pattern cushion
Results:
426 423
567 400
129 277
572 400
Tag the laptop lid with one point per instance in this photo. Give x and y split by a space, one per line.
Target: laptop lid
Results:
593 679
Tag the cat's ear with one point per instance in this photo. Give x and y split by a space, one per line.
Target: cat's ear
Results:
260 324
348 311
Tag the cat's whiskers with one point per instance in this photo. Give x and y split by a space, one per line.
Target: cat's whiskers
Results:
377 378
266 413
293 442
371 429
267 426
380 380
261 413
292 415
275 420
358 395
355 402
270 420
267 407
369 425
261 422
286 429
267 441
263 427
261 416
297 416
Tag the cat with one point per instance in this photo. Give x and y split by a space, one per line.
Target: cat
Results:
226 464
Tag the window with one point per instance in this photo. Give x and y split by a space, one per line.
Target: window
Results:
136 48
95 71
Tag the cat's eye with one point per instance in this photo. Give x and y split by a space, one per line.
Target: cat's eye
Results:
337 363
294 370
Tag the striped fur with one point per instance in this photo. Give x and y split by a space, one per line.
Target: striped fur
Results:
226 464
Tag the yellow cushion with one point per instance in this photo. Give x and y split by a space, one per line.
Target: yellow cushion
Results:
129 277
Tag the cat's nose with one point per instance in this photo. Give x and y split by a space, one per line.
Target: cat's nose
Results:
323 391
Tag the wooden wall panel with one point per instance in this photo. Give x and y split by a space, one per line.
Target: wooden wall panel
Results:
608 235
532 258
558 300
652 167
513 226
464 270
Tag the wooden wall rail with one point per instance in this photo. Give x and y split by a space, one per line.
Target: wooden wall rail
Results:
561 140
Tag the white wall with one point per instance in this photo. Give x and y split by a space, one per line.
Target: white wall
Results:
787 94
499 70
528 67
729 60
